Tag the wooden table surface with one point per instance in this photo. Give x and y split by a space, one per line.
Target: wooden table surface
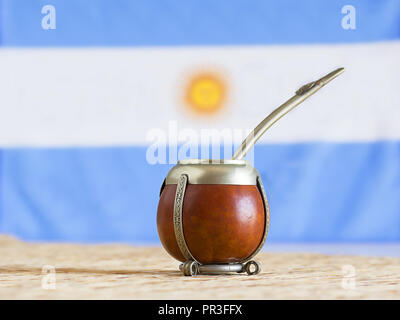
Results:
130 272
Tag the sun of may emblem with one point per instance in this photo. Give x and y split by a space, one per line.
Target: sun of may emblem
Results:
205 92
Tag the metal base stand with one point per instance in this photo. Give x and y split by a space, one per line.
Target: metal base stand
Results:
193 268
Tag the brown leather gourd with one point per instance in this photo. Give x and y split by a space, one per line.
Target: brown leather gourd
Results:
221 223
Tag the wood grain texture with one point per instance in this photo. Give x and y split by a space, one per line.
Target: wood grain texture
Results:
113 271
221 223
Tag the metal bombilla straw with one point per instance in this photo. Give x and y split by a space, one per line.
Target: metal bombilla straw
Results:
192 267
302 94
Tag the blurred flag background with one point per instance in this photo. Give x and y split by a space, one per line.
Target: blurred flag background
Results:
82 83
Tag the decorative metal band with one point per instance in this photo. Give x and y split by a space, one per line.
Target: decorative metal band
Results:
178 223
267 218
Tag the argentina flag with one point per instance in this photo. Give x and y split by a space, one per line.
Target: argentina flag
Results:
100 98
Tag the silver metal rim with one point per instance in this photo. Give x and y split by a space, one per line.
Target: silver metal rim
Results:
231 172
240 162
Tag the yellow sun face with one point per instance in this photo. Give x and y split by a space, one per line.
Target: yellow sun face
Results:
205 93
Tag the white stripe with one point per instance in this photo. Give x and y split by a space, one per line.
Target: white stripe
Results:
59 97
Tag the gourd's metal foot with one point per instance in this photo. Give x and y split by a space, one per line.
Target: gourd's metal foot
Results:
193 268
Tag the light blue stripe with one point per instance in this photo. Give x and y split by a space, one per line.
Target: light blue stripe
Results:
1 22
317 191
206 22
